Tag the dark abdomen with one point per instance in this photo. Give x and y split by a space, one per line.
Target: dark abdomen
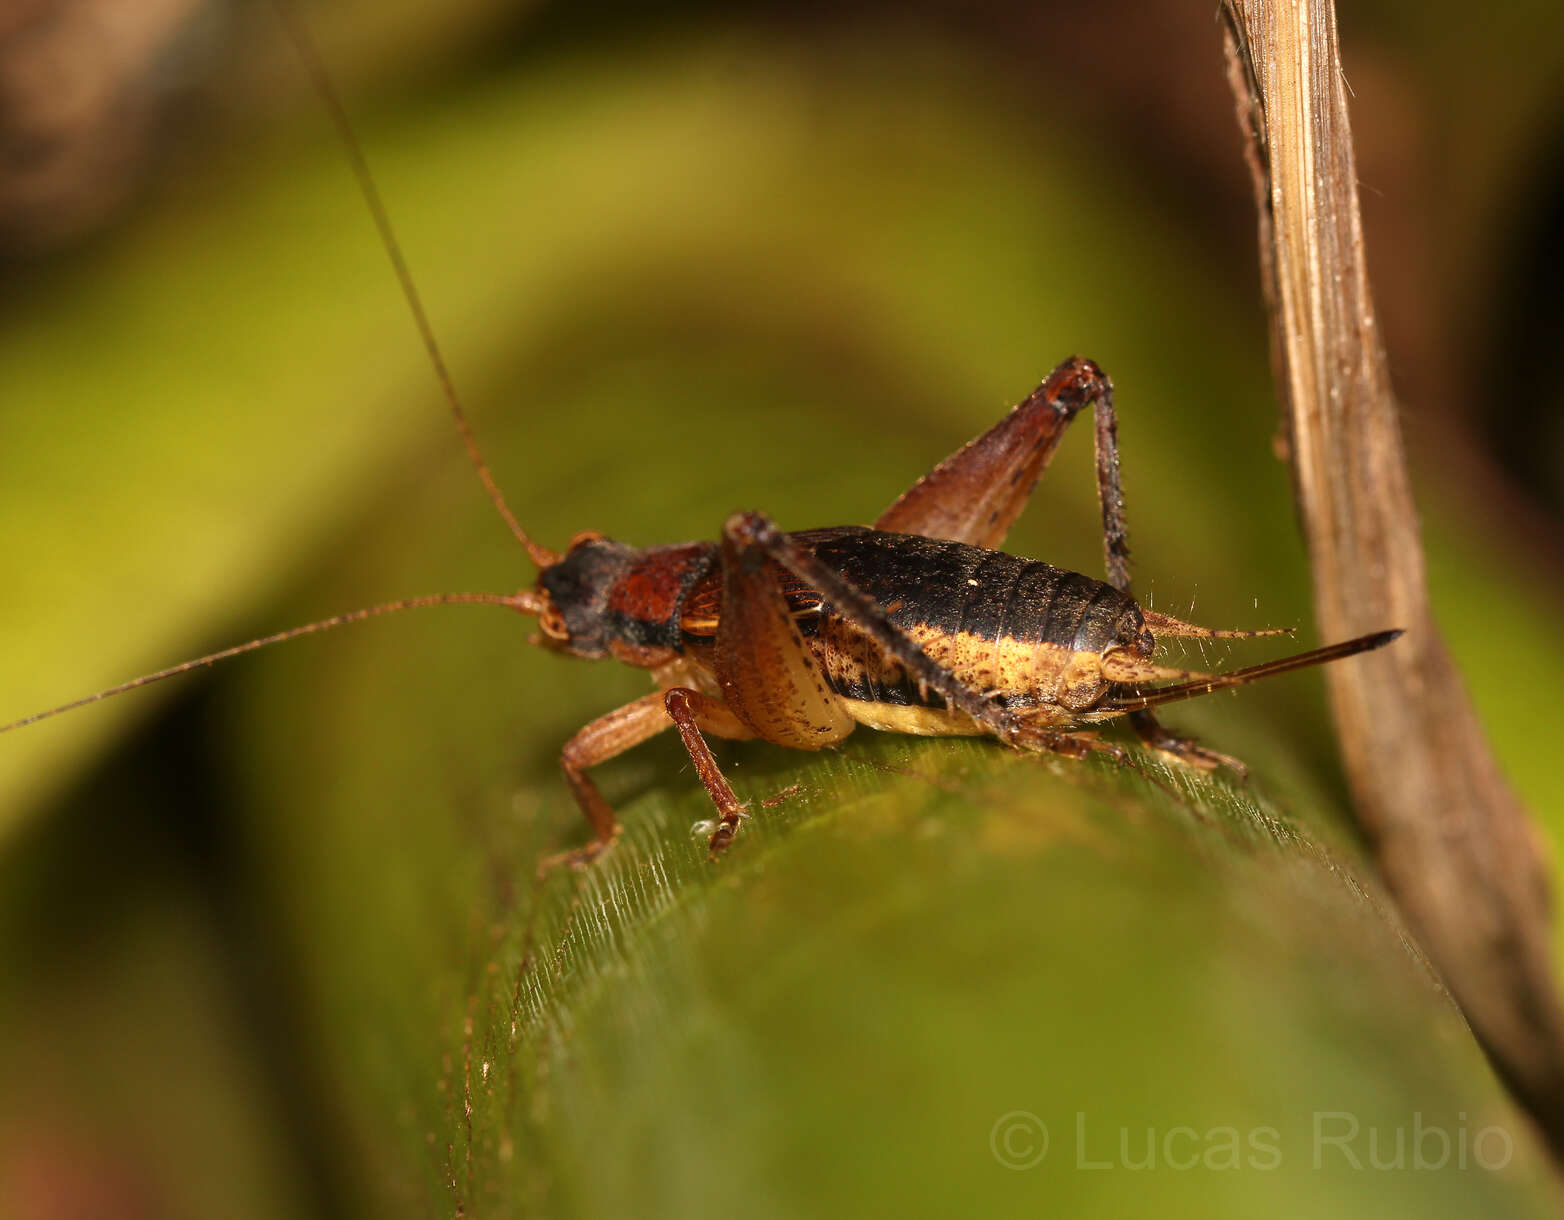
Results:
999 622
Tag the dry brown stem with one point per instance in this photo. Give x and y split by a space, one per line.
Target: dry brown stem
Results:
1453 842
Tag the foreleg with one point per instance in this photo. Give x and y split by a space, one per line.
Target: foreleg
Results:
604 738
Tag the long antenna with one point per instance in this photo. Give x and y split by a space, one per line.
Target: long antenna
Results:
320 79
1242 677
526 602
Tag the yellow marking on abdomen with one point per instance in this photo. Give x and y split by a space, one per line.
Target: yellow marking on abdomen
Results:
909 718
1033 673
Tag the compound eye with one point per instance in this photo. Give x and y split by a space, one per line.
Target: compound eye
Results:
553 624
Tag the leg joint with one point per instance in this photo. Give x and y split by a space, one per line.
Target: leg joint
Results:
1076 383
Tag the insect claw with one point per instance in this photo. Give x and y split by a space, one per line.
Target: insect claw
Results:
712 826
723 830
1190 752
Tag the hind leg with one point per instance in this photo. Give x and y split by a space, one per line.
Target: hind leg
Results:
1185 749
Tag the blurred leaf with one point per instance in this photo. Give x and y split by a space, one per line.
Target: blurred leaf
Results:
674 281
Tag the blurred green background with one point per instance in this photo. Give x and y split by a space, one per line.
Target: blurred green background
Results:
269 943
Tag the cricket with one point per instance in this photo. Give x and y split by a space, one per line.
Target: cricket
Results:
917 624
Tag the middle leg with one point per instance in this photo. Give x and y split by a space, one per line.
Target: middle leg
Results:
693 714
